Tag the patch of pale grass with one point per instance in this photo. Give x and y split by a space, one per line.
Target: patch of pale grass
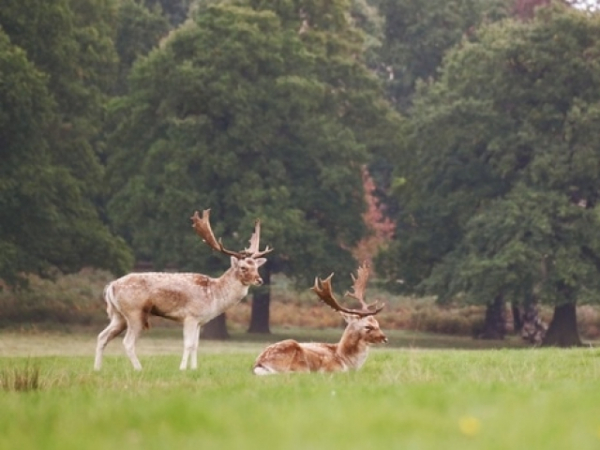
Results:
155 342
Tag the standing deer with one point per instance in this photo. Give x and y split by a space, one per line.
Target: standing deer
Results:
350 353
190 298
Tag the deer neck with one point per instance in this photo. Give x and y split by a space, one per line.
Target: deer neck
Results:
352 349
228 290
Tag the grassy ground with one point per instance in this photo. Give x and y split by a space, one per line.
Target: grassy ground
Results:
406 396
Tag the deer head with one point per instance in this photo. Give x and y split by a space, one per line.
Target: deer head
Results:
360 321
246 262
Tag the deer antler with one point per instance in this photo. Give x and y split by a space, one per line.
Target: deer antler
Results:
204 230
323 289
359 286
253 249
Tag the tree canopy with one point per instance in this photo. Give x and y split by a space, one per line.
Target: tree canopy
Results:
502 166
138 30
417 35
53 74
242 112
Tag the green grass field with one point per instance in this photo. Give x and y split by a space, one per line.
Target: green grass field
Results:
405 397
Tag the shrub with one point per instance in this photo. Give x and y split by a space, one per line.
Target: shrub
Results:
77 300
20 379
70 299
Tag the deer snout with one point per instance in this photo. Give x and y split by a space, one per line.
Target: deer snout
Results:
258 281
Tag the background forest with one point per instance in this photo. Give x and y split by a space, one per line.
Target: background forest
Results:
452 143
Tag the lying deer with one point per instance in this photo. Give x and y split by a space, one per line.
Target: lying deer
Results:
190 298
349 353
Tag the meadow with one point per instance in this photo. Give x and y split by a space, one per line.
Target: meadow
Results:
421 391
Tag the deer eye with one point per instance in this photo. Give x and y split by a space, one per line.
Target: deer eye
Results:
244 269
369 328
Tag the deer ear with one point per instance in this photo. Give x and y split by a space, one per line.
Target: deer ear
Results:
234 262
260 261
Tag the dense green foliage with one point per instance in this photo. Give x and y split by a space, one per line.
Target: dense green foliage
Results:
502 174
119 118
239 112
139 29
55 70
176 11
418 34
401 398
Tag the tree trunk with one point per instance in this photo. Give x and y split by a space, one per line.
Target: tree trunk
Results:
562 331
215 329
534 329
517 320
494 326
261 301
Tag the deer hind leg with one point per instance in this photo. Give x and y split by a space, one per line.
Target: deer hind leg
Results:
134 328
115 327
299 362
282 357
191 334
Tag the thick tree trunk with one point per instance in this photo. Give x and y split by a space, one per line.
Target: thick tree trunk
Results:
494 326
562 331
261 301
215 329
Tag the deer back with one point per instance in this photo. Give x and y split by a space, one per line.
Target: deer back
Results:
177 295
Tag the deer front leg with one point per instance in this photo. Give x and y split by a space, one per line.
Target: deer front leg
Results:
191 333
194 364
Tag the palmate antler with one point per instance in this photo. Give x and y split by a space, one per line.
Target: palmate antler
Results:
323 289
204 230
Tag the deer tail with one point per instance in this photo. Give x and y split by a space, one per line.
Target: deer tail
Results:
109 298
